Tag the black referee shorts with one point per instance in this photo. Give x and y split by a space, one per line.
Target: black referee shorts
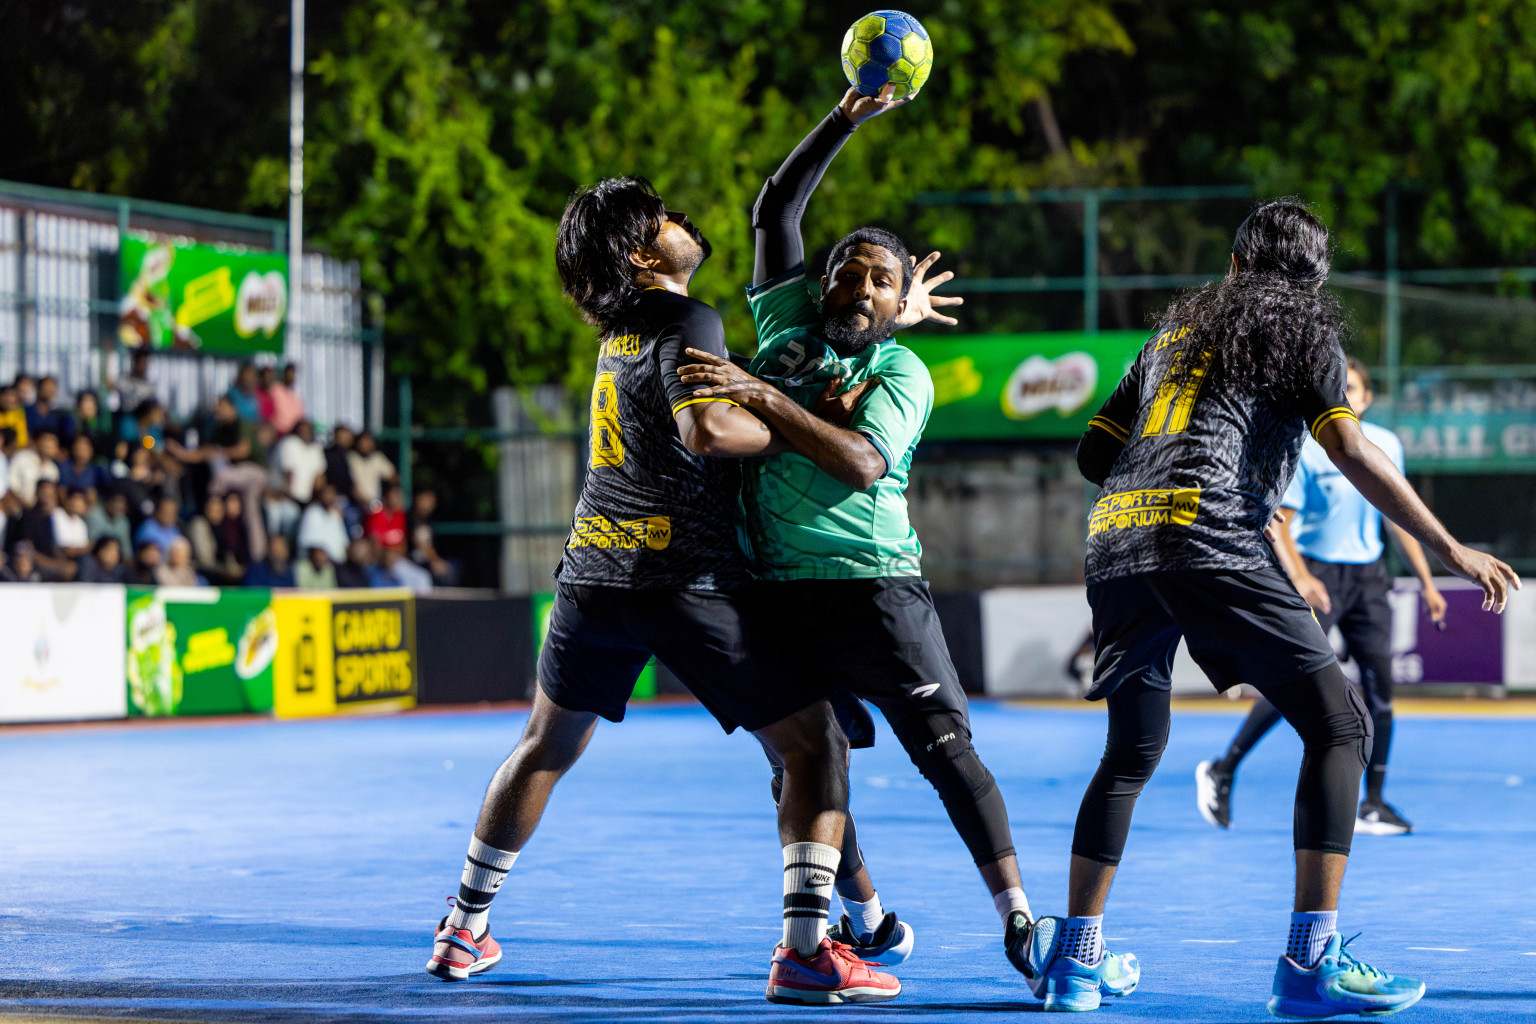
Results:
713 641
1241 627
1358 605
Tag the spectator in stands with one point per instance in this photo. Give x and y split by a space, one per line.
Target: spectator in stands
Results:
36 529
70 533
300 460
237 459
104 564
404 572
134 389
287 406
386 523
90 423
80 471
109 518
31 466
323 527
423 540
143 485
26 388
210 554
370 470
43 415
315 572
177 570
147 563
361 569
10 519
13 415
144 427
232 533
265 378
337 472
22 567
7 449
275 570
243 394
161 529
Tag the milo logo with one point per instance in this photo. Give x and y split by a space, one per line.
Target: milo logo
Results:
1065 384
261 303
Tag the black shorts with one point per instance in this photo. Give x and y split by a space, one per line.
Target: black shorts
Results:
1358 605
1241 627
877 639
713 641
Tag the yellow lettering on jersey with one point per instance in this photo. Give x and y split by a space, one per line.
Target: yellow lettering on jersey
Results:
1129 509
1175 403
624 345
607 434
653 532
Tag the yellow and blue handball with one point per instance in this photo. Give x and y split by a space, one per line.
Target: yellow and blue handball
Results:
887 48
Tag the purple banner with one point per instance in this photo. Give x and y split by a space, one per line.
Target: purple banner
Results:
1470 649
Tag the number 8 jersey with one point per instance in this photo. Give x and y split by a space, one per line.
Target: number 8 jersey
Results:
1199 470
652 514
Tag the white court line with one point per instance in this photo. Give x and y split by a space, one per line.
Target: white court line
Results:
1213 942
1439 949
1528 954
757 928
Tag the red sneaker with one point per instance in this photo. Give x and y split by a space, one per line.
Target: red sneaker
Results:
456 953
833 975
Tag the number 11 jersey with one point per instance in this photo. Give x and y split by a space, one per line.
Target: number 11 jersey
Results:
1203 469
652 514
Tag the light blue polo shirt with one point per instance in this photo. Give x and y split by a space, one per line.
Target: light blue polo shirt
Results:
1334 522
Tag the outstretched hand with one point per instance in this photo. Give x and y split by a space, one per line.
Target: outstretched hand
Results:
858 108
1494 577
920 303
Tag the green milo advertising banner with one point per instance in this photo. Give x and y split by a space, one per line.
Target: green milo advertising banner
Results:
213 298
200 651
998 387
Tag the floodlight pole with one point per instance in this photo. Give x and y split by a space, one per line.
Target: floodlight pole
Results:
295 184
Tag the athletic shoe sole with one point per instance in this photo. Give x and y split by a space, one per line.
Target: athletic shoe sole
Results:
1381 828
814 997
448 972
1291 1009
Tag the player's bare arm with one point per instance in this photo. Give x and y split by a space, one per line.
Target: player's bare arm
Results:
1373 474
727 431
846 456
1413 551
1308 586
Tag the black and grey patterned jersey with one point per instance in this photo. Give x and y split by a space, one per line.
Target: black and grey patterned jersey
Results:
652 514
1191 475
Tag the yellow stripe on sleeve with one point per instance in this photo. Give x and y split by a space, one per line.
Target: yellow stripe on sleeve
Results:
1111 428
696 401
1338 412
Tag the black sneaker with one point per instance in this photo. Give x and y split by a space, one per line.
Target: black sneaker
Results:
1214 794
1016 938
891 943
1379 818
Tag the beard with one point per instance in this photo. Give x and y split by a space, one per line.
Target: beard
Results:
688 256
847 339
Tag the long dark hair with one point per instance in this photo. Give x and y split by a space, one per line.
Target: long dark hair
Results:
1268 326
601 226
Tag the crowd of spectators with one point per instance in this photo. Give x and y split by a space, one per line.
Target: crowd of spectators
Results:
247 494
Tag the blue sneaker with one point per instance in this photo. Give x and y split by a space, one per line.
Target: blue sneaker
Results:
1119 974
1068 985
1339 984
890 944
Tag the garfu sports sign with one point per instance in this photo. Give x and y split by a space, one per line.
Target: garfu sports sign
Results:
179 294
997 387
339 653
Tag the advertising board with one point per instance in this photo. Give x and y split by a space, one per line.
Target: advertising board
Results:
343 652
65 661
200 650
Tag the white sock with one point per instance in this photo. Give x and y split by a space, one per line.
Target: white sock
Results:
865 917
1310 932
1010 900
485 868
810 874
1082 939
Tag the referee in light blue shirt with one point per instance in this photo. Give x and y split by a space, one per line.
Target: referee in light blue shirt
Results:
1331 547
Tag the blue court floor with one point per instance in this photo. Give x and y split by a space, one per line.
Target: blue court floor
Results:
270 871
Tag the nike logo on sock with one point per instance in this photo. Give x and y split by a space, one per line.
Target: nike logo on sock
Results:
818 880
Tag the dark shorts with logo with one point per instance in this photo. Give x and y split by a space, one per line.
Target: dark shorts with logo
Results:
1246 626
877 639
1358 605
713 641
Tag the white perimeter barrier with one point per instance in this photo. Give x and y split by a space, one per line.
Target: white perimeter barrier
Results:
61 652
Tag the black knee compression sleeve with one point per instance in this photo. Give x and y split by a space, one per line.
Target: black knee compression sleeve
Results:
1138 732
1376 682
1335 729
851 859
939 744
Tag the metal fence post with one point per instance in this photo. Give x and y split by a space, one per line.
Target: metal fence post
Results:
406 414
1393 328
1091 261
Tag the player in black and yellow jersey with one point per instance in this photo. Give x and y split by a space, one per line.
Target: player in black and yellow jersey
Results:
1193 451
652 567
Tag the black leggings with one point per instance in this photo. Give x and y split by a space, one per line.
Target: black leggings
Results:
1322 707
1375 682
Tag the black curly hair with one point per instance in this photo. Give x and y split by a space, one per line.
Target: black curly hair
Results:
1268 326
601 226
877 237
